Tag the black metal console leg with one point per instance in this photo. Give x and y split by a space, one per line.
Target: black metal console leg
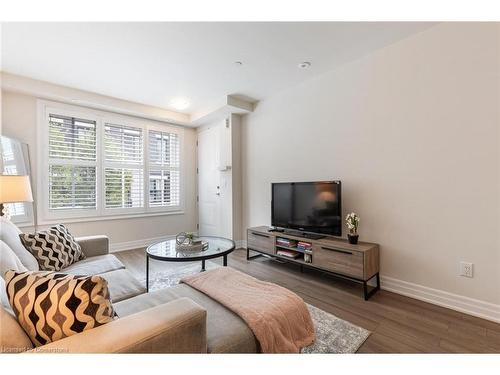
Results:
224 261
253 256
203 265
367 294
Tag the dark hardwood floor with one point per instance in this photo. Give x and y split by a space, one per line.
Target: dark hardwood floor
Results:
398 324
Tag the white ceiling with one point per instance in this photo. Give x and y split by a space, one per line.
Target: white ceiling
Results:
155 63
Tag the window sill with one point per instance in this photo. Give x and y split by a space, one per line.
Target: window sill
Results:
69 220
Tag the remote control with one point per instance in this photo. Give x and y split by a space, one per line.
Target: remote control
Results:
272 229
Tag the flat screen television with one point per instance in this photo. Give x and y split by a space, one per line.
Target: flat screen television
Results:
308 207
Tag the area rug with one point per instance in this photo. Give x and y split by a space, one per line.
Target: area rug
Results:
333 335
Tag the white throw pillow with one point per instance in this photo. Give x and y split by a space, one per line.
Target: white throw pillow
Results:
9 234
9 260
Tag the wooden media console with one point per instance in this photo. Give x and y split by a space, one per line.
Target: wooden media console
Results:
359 263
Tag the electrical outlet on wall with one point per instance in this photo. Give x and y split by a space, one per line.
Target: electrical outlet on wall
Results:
466 269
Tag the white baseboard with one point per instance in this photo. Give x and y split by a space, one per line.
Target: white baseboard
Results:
129 245
438 297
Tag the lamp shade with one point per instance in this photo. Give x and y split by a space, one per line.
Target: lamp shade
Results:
14 189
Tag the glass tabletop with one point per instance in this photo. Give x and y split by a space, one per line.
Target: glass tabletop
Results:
166 250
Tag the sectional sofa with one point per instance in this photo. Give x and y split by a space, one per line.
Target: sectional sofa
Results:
174 320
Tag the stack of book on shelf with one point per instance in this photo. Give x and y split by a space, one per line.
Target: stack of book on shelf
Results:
304 246
288 253
286 242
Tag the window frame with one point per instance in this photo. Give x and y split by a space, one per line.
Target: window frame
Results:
47 216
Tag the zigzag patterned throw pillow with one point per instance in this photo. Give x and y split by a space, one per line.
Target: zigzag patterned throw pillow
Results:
54 249
51 306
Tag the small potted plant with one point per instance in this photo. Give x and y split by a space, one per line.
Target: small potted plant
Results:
352 221
184 238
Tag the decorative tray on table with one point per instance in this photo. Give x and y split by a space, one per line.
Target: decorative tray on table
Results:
187 242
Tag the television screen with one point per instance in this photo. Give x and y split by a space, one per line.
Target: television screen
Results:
307 206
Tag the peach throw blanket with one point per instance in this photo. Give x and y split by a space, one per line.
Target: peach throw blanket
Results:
278 318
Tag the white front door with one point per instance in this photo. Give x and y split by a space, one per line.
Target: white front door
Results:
209 203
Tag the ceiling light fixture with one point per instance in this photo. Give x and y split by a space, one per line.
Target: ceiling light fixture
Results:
179 104
304 65
238 63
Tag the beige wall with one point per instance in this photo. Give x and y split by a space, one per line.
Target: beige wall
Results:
412 131
19 120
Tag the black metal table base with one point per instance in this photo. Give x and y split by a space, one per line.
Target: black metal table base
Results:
224 263
368 290
147 273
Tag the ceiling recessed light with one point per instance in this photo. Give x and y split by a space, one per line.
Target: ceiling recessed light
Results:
304 65
179 103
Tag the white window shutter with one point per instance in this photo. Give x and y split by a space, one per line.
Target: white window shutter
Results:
123 172
72 163
72 186
71 138
164 169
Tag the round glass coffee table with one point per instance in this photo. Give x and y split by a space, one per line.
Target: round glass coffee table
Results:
166 251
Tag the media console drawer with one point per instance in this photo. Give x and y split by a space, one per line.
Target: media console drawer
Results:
260 241
343 261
